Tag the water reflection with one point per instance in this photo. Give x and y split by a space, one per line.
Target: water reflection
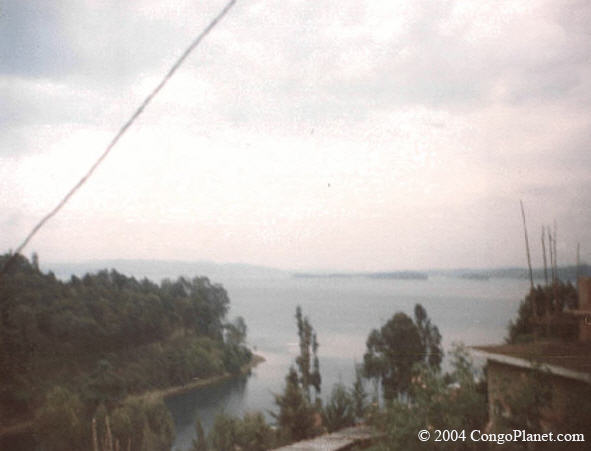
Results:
204 403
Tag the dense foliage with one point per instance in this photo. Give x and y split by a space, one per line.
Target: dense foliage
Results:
401 343
248 433
454 401
296 418
542 314
105 336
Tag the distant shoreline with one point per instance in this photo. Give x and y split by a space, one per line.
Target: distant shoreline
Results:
398 275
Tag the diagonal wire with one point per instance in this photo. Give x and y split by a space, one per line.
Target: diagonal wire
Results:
119 134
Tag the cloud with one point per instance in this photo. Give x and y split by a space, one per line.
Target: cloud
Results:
299 133
32 41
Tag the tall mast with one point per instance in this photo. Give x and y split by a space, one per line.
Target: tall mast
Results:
544 255
531 275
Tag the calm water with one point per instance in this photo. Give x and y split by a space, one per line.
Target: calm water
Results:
343 312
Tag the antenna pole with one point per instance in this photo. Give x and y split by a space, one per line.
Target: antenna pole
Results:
531 275
544 255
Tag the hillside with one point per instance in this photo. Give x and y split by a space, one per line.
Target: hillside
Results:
103 336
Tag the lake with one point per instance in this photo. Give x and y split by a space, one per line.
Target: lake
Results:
343 311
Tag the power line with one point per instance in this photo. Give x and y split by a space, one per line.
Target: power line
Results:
120 133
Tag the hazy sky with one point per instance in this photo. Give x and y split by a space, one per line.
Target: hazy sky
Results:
301 134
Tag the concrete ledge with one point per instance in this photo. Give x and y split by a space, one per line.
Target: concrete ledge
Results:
336 441
527 364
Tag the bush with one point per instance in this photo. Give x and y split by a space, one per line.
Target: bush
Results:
453 401
339 411
59 424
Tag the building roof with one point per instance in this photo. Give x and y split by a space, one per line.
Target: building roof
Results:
340 440
568 359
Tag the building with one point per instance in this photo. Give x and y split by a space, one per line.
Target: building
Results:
560 370
583 313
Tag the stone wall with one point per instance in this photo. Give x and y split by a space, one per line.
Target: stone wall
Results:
504 378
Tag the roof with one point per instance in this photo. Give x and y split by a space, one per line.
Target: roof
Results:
568 359
340 440
584 313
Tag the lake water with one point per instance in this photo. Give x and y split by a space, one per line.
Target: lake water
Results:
343 311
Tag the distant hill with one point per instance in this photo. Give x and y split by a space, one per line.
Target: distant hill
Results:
161 269
399 275
564 273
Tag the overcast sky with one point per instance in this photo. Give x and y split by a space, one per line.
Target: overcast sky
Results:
344 135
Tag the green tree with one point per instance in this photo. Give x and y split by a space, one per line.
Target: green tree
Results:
236 332
307 361
254 434
104 385
391 353
452 402
541 314
397 346
430 338
145 425
296 417
339 411
249 433
59 423
224 433
359 395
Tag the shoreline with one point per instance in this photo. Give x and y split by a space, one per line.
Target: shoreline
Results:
163 393
152 395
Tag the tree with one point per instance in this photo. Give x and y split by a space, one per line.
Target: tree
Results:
223 433
430 338
307 361
254 434
236 332
397 346
339 411
104 385
58 425
391 353
452 401
359 395
143 425
296 417
541 314
250 433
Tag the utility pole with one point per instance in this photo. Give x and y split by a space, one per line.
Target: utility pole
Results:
551 247
555 252
578 261
531 275
544 255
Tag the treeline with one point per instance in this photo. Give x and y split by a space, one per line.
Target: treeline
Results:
543 314
89 342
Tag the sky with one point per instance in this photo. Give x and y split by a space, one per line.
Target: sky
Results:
342 135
